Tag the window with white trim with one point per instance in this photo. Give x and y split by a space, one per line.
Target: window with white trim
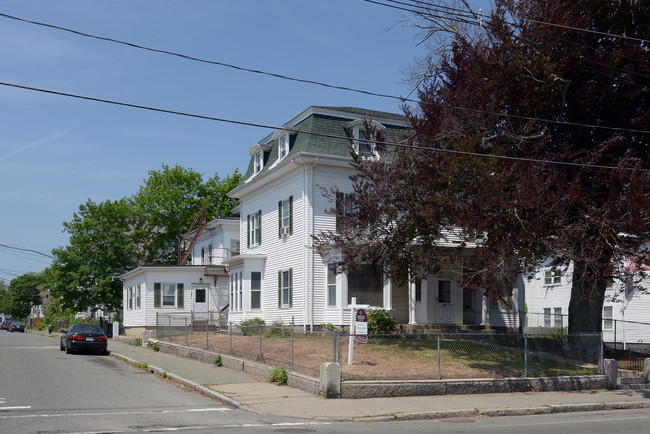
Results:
138 297
285 217
168 295
236 288
557 313
547 317
344 207
258 162
256 290
283 146
608 314
129 298
254 229
331 285
285 288
552 277
367 285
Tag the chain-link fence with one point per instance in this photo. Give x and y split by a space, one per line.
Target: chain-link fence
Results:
395 356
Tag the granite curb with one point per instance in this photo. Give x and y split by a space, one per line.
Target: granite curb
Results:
189 383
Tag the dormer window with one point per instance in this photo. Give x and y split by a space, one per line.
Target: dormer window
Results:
364 140
283 146
258 162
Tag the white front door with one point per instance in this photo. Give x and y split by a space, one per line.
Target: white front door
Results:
445 302
200 302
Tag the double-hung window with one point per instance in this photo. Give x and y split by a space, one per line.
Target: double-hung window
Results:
608 321
557 313
367 285
236 289
552 277
331 285
168 295
258 162
285 288
256 290
254 229
344 207
129 297
285 217
283 146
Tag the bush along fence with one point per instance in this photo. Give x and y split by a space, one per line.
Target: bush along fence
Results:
432 356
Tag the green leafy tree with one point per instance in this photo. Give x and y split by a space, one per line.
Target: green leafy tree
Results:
23 293
109 238
104 242
171 198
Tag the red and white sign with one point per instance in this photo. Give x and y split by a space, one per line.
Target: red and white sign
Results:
361 327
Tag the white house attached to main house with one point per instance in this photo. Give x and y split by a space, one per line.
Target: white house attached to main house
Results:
276 275
183 291
625 309
279 278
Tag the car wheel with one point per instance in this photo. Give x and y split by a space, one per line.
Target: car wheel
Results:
67 350
61 346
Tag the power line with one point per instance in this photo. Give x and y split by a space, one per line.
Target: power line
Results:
465 17
251 124
22 249
423 5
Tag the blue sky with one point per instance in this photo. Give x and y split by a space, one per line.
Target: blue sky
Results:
56 152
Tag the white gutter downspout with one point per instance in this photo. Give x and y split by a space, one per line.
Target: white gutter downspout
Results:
311 243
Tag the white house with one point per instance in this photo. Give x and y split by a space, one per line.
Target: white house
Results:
279 278
625 309
183 291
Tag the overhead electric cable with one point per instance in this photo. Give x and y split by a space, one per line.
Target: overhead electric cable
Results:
22 249
212 118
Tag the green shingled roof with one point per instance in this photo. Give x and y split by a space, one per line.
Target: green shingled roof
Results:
329 124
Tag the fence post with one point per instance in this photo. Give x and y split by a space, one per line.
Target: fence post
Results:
157 330
207 323
260 357
292 348
230 335
525 356
615 344
335 359
186 343
439 373
601 359
169 330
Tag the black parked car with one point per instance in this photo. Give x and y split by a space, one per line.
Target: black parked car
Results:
16 326
87 337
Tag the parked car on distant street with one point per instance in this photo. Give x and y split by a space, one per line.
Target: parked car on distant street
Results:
17 326
85 337
5 324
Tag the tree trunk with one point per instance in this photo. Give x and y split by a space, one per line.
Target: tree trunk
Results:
586 304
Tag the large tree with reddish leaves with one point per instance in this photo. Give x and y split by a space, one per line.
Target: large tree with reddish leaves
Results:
533 128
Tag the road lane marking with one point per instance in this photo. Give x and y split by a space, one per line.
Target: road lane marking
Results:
111 413
15 407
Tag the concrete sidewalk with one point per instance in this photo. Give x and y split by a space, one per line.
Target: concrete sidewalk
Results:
244 391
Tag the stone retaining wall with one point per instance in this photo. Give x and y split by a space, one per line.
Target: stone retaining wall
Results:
330 385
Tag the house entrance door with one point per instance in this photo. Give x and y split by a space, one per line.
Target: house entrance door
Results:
200 302
445 307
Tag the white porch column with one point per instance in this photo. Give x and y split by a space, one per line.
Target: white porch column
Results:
412 285
485 311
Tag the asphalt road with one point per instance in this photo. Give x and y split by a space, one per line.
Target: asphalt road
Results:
43 389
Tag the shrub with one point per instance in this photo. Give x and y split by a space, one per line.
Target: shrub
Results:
380 322
137 342
279 375
277 330
155 346
250 327
163 374
330 327
218 361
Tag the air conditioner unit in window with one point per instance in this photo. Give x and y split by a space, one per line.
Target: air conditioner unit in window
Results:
285 231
